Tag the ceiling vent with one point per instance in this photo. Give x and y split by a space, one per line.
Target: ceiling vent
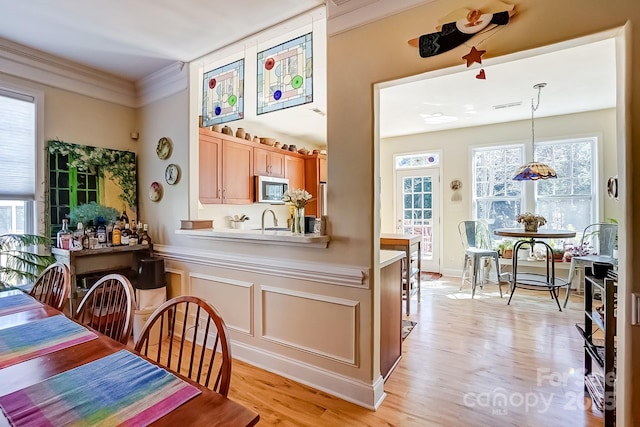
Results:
339 2
508 105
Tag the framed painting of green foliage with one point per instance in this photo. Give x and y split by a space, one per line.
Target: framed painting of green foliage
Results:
85 175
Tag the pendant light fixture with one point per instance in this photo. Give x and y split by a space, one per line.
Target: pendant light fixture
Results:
533 171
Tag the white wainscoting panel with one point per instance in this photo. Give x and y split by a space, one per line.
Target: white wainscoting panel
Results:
290 318
176 284
232 298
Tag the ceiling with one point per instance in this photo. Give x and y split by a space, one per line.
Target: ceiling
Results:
578 79
134 39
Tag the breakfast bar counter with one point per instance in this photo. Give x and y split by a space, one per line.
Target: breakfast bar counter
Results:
269 237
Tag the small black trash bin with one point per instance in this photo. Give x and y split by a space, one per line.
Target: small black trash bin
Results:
151 273
151 292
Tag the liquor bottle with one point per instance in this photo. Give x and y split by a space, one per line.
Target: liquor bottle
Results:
124 239
144 237
124 218
93 235
110 234
116 237
64 235
101 233
133 236
76 240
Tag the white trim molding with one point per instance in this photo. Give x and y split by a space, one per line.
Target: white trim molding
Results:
352 390
43 68
327 273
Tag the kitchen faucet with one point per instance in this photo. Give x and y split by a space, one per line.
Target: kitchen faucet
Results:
275 220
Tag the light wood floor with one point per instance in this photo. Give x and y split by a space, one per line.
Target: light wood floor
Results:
467 362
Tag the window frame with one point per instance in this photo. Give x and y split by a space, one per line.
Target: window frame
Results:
474 181
530 197
594 214
34 210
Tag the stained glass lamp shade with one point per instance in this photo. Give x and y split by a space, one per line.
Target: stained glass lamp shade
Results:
533 171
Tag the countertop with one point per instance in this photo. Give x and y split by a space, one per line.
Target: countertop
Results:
284 237
389 257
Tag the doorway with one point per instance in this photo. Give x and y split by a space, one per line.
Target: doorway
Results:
418 211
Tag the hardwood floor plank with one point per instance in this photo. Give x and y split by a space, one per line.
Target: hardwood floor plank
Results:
467 362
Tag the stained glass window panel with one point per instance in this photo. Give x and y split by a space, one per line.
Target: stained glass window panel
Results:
285 75
223 94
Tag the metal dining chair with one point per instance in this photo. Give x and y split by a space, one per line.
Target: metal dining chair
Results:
599 239
108 307
477 244
53 285
198 346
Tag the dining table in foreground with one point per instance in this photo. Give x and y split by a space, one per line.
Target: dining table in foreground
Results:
207 408
548 281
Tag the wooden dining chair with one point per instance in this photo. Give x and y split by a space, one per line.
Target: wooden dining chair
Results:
53 285
198 346
108 307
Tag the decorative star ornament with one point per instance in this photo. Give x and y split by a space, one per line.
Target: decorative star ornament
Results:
474 55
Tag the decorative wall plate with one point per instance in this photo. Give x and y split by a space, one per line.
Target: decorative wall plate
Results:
164 147
155 191
172 174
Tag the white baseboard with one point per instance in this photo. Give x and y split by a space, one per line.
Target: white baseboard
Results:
352 390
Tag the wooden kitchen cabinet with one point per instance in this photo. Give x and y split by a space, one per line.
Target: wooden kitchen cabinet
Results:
294 171
315 172
226 169
268 163
210 172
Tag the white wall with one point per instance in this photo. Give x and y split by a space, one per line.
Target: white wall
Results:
456 146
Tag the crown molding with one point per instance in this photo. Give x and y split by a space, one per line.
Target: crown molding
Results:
165 82
43 68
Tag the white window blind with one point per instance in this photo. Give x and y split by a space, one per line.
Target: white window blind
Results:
17 146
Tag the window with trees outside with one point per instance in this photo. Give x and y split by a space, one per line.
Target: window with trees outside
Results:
497 199
568 202
17 161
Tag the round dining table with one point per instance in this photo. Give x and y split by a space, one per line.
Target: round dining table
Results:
546 281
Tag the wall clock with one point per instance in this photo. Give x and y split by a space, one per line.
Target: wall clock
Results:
163 149
172 174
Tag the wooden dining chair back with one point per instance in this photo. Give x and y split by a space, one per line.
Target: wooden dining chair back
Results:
108 307
193 341
53 285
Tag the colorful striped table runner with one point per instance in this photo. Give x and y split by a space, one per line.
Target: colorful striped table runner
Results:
119 389
14 303
42 336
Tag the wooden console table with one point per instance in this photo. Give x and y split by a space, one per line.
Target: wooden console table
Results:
409 244
92 261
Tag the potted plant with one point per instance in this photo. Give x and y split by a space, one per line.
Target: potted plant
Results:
558 254
19 261
506 249
91 212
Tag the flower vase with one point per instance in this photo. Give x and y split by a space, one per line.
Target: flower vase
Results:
297 223
531 226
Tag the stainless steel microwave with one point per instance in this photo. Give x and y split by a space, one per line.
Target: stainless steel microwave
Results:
270 189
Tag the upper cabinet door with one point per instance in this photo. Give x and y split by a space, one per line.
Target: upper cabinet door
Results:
294 167
268 163
237 175
210 172
322 161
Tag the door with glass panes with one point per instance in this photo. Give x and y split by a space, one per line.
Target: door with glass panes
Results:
417 211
